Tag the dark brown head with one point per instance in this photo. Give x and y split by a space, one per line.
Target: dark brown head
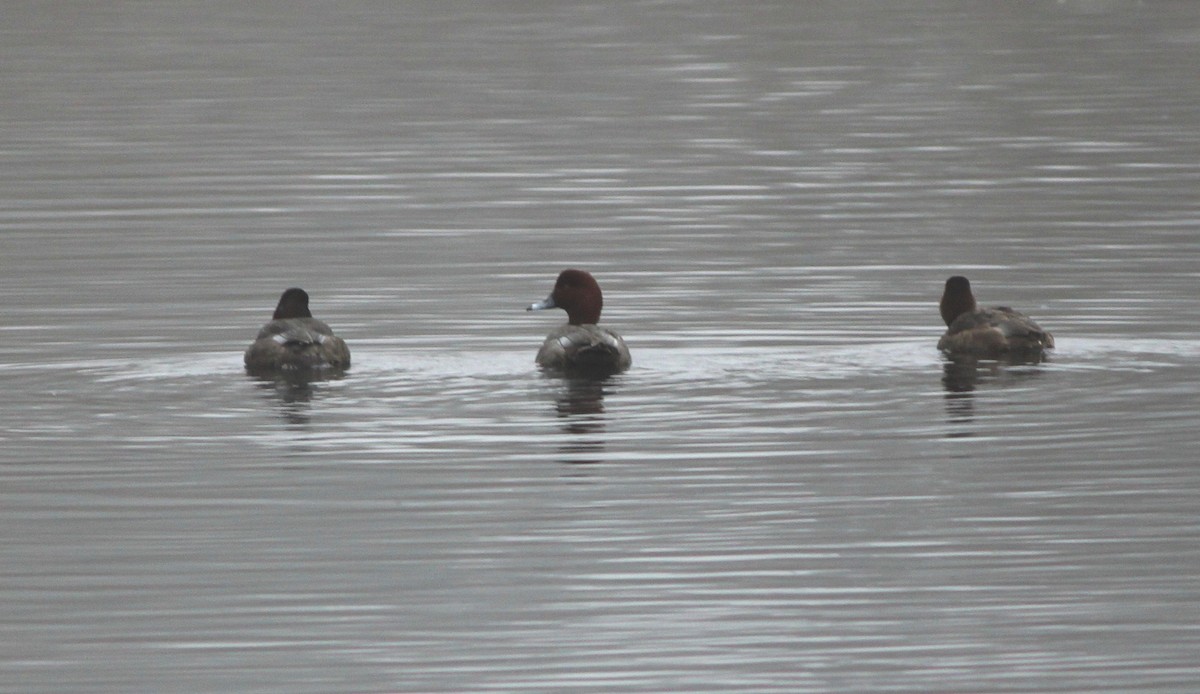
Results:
577 293
293 304
957 299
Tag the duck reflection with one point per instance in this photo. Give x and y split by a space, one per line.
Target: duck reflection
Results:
293 390
961 374
579 405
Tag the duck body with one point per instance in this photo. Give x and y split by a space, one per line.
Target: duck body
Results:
580 346
584 348
294 340
297 343
987 332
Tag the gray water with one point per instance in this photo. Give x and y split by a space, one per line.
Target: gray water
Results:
790 491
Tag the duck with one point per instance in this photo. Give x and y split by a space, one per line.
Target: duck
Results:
293 339
986 332
581 345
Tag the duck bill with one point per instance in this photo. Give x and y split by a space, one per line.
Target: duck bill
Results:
546 303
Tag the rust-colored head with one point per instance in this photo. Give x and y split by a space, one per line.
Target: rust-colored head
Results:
293 304
577 293
957 299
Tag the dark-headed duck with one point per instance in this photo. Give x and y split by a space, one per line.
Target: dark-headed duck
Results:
295 340
580 345
986 332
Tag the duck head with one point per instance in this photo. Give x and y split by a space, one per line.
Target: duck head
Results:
577 293
957 299
293 304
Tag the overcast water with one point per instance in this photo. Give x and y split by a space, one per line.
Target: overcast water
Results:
791 490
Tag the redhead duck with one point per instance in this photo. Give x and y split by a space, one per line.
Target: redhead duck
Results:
986 332
295 340
580 345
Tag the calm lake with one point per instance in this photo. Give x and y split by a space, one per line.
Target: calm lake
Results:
791 490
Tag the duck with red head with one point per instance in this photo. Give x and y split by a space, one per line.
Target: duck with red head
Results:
294 340
987 332
580 345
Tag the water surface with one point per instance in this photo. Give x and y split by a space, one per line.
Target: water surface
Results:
791 490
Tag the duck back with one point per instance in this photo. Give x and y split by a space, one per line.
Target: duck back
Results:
297 343
584 348
995 331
